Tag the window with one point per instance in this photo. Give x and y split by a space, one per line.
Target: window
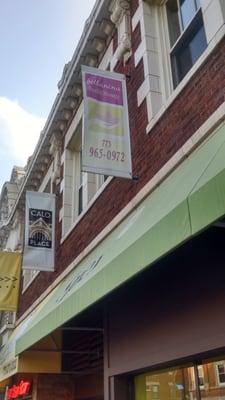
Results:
202 381
214 380
186 35
170 384
200 375
221 373
79 187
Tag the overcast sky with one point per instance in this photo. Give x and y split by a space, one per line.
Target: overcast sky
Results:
36 39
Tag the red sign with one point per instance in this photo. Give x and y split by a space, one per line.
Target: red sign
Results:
22 389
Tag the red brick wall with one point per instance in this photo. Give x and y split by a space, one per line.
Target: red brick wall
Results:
197 101
89 387
63 386
55 387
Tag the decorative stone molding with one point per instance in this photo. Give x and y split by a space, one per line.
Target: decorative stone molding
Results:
123 48
56 142
119 8
151 50
55 150
9 193
64 75
41 167
4 234
18 217
106 26
121 18
98 44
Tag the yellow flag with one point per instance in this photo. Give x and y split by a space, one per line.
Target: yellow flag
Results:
10 267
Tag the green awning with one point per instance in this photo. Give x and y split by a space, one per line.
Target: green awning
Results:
190 199
30 361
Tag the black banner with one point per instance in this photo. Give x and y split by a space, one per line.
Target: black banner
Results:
40 228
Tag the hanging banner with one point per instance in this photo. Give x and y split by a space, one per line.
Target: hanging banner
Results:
106 134
10 267
39 247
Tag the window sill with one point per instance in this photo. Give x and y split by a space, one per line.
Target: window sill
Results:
217 38
86 209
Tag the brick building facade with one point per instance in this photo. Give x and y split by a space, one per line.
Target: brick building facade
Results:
118 345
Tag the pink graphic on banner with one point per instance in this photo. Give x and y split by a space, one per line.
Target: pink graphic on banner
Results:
104 89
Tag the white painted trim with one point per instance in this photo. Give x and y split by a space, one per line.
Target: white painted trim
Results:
220 34
217 364
47 177
105 62
200 135
86 209
74 124
31 280
157 42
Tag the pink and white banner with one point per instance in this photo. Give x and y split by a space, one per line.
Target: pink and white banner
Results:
106 139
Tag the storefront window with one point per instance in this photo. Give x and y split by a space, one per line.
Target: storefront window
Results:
205 380
170 384
200 375
221 373
214 380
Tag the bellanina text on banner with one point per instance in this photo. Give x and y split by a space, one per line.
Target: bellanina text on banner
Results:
106 134
39 246
10 267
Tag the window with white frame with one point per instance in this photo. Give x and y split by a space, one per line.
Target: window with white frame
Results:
220 367
187 36
79 187
200 375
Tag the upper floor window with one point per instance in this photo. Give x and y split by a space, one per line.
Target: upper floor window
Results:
79 188
186 34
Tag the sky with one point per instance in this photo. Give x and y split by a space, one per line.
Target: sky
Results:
37 38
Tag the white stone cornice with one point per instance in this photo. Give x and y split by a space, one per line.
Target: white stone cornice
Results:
56 150
56 143
121 18
124 47
119 8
